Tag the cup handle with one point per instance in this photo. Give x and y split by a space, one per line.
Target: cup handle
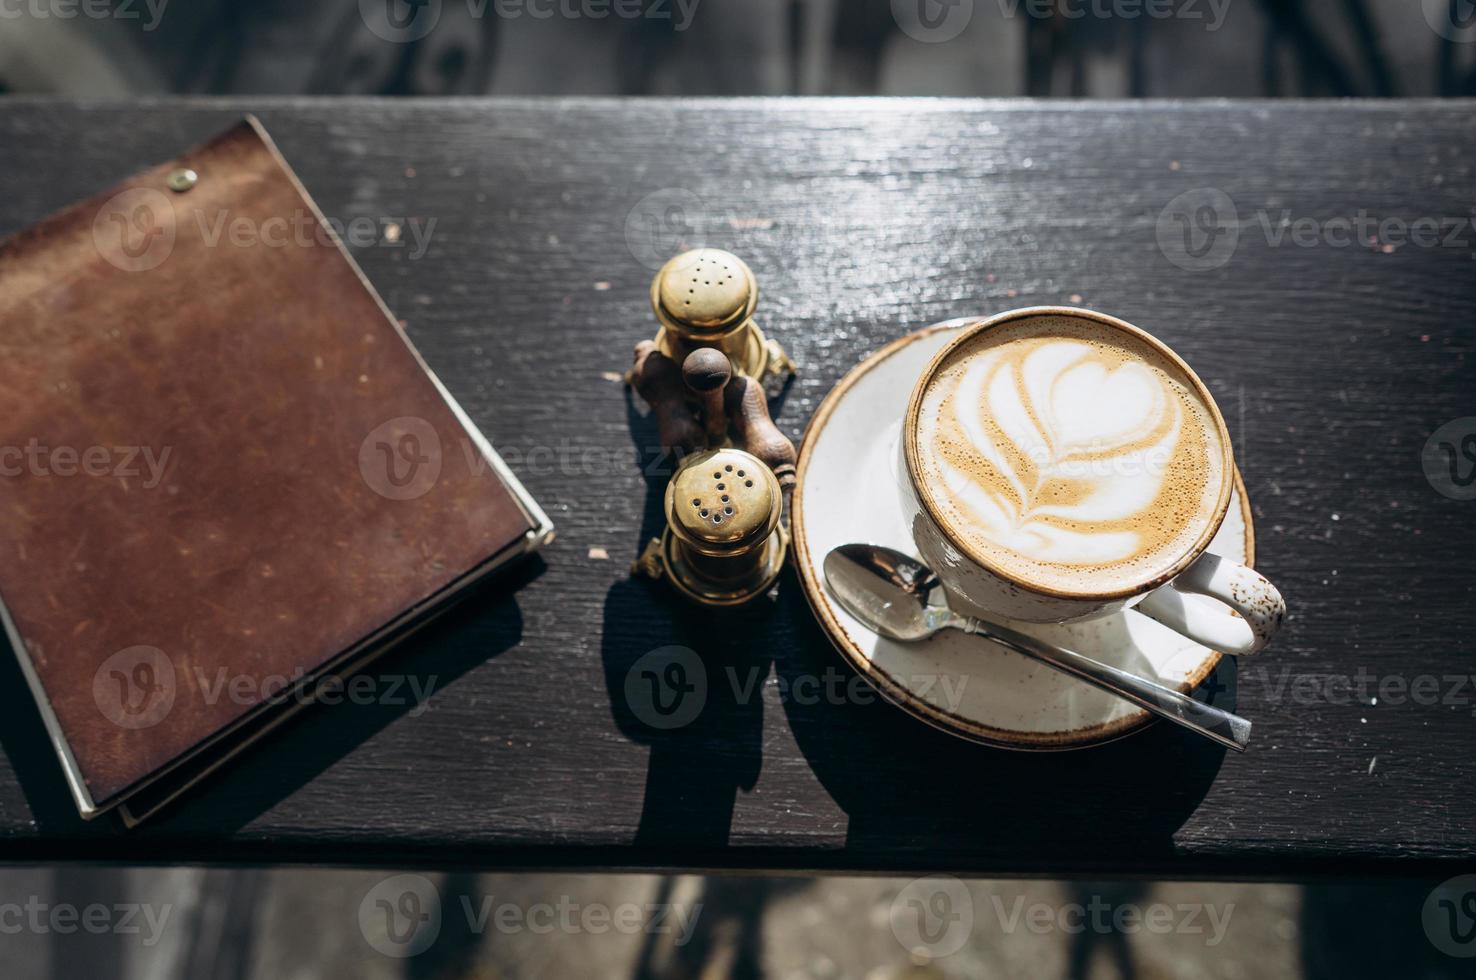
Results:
1255 613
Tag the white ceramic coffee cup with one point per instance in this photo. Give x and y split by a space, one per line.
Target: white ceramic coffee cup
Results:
1218 603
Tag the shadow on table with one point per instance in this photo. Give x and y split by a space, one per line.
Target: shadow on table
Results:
923 798
485 624
685 680
688 682
474 631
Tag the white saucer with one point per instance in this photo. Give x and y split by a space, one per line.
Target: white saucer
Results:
848 491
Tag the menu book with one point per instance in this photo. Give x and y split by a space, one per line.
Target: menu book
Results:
222 464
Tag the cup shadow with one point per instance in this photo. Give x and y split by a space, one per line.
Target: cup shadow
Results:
924 798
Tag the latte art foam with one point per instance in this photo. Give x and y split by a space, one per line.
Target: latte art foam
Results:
1070 454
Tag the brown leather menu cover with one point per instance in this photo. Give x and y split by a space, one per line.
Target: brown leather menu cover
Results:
220 458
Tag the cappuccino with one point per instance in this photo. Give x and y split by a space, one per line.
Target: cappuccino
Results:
1070 455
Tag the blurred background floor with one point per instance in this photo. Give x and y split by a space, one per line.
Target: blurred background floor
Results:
1091 48
173 924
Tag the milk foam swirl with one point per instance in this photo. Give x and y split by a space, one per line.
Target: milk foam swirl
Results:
1068 455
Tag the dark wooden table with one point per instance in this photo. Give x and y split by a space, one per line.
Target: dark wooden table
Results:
862 220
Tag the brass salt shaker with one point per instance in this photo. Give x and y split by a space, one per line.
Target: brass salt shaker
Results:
724 542
706 298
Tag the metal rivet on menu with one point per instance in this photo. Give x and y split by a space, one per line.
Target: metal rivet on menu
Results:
182 179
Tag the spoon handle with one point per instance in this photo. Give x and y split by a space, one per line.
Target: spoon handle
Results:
1231 731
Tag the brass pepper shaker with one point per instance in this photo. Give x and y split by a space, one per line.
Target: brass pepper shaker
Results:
706 298
724 542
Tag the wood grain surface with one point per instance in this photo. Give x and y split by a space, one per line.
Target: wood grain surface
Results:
863 220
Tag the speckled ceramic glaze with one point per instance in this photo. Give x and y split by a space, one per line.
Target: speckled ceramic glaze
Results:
1216 602
850 489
